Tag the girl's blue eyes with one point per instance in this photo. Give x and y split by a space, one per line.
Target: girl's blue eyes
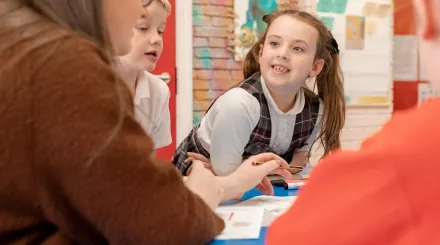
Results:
298 49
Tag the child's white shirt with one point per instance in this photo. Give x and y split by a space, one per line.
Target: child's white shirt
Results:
152 111
225 130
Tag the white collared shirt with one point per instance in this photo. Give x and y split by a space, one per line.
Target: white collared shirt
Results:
151 102
225 130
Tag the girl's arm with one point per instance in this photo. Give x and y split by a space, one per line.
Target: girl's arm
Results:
300 156
231 121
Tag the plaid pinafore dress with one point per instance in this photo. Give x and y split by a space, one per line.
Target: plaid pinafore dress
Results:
259 140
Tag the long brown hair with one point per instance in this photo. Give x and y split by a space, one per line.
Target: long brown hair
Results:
329 81
84 18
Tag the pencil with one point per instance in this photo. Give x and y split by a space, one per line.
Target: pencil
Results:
230 216
290 167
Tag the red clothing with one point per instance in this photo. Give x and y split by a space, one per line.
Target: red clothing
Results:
388 192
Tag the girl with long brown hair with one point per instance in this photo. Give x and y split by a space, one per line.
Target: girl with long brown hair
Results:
272 110
388 191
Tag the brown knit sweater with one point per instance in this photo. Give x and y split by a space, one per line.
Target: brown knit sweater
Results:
75 166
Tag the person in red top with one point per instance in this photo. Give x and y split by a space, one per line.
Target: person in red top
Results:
387 192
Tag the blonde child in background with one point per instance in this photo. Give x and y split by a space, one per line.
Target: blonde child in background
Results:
272 110
387 192
151 94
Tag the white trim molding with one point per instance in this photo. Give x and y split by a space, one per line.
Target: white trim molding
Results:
184 64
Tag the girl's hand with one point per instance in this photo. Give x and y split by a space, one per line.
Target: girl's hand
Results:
204 183
257 175
248 176
196 156
300 159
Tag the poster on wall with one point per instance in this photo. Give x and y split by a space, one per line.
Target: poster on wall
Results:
250 25
362 28
364 31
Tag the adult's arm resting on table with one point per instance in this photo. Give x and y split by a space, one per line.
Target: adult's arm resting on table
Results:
96 179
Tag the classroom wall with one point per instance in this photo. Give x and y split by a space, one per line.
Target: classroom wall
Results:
214 70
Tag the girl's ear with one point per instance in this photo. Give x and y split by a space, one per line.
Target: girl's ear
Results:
317 68
260 52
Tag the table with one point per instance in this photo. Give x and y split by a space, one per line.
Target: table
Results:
253 193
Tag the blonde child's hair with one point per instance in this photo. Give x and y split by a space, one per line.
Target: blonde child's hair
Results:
164 3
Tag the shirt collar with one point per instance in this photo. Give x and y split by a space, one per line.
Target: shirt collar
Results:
297 107
142 87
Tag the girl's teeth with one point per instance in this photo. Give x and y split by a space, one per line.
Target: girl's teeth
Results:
279 69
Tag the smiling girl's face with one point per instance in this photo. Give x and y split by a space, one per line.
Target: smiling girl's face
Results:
287 56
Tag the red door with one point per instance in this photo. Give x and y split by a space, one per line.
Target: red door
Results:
166 69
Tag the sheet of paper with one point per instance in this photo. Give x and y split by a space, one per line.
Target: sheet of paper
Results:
354 7
425 92
355 32
375 9
422 69
273 204
405 58
371 28
332 6
240 222
308 6
369 9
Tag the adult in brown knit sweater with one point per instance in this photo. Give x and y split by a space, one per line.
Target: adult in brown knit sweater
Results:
75 166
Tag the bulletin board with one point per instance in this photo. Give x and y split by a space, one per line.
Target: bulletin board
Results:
364 32
250 25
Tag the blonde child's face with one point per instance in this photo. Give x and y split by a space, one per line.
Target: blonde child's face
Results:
429 23
287 56
147 43
120 16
